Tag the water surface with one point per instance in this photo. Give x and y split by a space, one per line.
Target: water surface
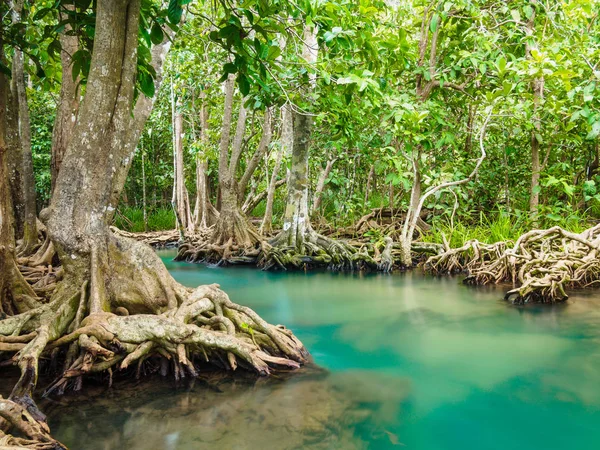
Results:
410 362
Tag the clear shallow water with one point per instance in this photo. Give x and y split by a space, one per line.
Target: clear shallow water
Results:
412 362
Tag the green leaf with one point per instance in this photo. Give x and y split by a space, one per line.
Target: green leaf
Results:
41 13
435 21
156 34
595 131
75 69
146 84
274 52
229 68
175 11
243 84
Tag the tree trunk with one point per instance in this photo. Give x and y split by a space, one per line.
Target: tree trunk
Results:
144 205
181 194
231 227
68 102
296 220
321 185
285 143
117 303
15 293
537 87
413 211
369 184
201 209
14 157
263 146
30 237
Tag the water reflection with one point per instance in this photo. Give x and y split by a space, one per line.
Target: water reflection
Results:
315 409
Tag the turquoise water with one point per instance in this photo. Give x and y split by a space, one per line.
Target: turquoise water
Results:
412 362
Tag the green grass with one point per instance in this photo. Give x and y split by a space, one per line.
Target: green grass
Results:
500 227
132 219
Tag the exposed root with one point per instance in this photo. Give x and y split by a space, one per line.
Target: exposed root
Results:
232 240
313 250
541 265
126 312
26 431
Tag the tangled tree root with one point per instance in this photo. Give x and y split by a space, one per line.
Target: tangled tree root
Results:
125 313
232 240
541 265
26 431
314 250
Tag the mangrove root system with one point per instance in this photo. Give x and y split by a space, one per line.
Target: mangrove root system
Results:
542 264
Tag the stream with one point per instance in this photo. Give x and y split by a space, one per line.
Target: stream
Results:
403 361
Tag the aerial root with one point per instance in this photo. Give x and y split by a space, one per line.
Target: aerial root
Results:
541 264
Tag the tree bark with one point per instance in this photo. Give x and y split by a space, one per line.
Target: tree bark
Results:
258 155
14 157
537 87
144 205
201 210
296 220
181 194
285 144
231 226
369 184
30 237
68 102
321 185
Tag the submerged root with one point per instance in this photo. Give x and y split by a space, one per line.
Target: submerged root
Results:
541 264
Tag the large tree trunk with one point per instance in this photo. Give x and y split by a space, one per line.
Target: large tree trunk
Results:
14 157
117 304
296 220
68 102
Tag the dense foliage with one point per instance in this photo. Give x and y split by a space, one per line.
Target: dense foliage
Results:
397 82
